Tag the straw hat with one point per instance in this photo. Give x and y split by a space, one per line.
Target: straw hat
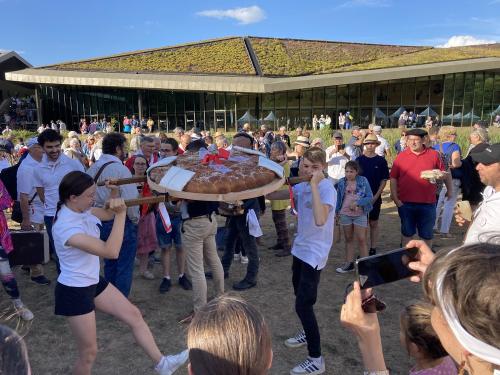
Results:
371 138
303 141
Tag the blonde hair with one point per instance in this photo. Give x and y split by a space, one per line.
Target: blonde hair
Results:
416 325
446 132
229 336
315 155
482 134
135 143
470 283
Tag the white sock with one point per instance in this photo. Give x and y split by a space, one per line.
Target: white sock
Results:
167 277
317 361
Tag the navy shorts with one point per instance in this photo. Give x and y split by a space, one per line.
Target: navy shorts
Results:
167 239
417 217
375 212
74 300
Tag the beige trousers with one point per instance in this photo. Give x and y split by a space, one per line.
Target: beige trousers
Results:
198 241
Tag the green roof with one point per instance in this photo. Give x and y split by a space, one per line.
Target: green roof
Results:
273 57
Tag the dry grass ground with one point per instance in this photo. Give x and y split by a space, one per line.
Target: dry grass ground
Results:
52 349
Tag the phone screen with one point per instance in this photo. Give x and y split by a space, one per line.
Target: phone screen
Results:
385 268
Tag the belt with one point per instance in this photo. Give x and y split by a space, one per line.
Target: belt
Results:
206 216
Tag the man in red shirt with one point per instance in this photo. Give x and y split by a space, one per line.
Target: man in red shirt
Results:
414 196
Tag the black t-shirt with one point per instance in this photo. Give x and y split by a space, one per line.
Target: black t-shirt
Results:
201 208
374 169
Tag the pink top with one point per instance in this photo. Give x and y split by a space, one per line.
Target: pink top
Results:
350 196
446 367
5 202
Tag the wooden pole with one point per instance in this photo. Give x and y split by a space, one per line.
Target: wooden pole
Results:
124 181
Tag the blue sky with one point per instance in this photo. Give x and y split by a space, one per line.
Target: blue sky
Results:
46 32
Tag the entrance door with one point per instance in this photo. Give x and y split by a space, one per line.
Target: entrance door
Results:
220 120
189 119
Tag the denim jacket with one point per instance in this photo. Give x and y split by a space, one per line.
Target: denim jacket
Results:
363 190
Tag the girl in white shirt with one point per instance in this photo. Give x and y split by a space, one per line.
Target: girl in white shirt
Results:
80 289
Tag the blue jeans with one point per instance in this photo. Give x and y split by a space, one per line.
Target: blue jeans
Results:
417 217
237 227
119 272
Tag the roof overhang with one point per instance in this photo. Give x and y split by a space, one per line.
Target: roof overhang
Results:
243 84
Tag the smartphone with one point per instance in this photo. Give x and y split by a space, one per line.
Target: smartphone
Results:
385 268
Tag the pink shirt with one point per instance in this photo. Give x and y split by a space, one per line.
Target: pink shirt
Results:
446 367
349 198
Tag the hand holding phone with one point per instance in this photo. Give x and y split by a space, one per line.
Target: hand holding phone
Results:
422 260
386 268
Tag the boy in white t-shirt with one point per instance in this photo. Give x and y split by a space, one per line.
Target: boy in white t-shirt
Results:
315 202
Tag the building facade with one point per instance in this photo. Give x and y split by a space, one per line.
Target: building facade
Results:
460 90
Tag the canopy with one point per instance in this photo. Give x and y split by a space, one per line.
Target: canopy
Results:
455 117
398 113
380 114
495 112
471 116
428 112
247 117
270 117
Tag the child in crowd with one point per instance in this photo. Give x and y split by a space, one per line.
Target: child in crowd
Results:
229 336
80 290
354 202
279 207
146 228
13 353
422 343
316 202
6 276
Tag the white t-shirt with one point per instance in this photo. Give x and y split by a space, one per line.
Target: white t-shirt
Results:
336 164
486 220
4 163
78 268
49 175
382 147
312 243
26 185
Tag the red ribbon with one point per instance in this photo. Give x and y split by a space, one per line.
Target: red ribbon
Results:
215 158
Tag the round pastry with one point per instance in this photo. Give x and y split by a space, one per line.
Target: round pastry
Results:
240 172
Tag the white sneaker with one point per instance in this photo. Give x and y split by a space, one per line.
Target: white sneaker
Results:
297 341
309 366
237 257
346 267
170 363
23 311
244 260
148 275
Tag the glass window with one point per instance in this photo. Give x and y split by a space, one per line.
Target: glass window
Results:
381 92
331 97
342 97
268 101
230 101
488 92
353 96
179 105
366 94
253 104
171 106
478 94
496 95
294 118
459 89
242 102
408 90
280 99
219 100
305 98
448 90
293 99
319 97
394 95
281 118
305 117
422 92
436 91
189 101
468 94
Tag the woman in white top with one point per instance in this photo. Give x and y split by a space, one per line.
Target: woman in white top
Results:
80 289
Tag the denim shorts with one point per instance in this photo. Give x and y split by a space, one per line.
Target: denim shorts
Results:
166 239
417 217
360 221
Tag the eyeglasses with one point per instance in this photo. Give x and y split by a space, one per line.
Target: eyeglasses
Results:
142 164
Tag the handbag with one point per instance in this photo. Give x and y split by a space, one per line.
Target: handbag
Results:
30 247
17 214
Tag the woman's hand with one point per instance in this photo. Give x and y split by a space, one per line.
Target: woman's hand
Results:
117 205
424 258
354 318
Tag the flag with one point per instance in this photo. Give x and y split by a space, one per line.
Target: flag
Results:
165 218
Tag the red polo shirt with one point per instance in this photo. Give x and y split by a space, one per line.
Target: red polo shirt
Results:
406 170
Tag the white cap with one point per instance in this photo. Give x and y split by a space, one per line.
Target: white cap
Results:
377 128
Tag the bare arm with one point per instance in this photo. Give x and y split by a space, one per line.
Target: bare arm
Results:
320 210
394 192
380 190
278 195
107 249
25 209
456 162
41 193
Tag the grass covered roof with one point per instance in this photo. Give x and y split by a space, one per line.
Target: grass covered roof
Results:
275 57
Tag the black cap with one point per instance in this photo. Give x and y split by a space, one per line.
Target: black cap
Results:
489 155
5 146
417 132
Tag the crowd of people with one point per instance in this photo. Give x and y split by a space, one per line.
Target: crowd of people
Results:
20 111
66 186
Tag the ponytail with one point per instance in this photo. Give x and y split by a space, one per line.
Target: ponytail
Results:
59 205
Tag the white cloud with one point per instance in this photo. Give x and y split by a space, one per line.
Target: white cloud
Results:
366 3
464 40
245 16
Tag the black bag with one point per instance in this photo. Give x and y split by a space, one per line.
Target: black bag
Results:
9 179
29 248
17 214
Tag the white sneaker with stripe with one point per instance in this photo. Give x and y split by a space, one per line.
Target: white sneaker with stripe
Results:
309 367
297 341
